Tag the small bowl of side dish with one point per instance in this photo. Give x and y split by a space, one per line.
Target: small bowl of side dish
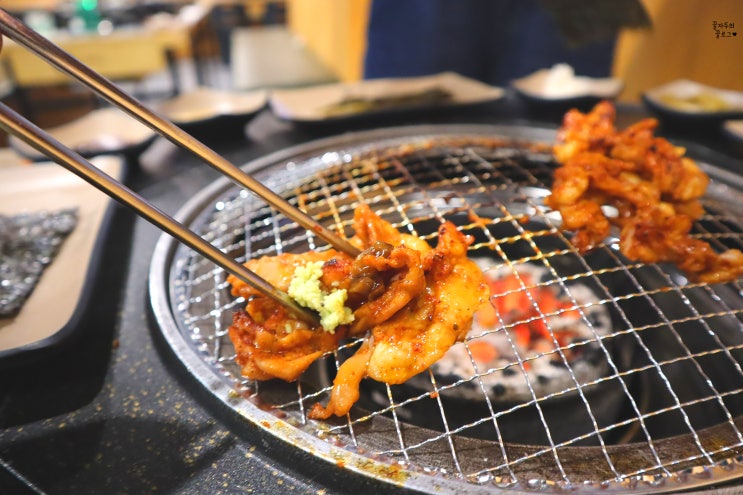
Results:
205 110
105 131
559 87
689 102
732 130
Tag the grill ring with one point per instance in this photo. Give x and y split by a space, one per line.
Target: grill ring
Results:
392 451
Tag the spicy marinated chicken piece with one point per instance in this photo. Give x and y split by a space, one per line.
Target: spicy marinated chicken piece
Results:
581 132
416 337
269 342
654 188
409 300
419 334
383 285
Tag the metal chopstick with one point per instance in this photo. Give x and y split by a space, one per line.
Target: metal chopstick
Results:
56 56
72 161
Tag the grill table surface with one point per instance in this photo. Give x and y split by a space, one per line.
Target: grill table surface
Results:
115 412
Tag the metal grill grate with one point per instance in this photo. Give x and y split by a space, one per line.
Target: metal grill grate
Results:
647 398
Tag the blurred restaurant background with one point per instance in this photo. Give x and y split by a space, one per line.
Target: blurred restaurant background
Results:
160 48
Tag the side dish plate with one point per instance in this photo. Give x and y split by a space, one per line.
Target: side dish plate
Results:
380 96
205 107
106 131
691 103
48 315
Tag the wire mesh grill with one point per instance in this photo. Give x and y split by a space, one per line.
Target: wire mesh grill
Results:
647 396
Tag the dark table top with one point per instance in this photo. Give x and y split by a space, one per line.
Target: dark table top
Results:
111 410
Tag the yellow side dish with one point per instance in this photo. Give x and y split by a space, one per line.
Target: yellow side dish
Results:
704 102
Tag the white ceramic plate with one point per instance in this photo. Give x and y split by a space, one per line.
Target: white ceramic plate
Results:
560 84
313 104
105 131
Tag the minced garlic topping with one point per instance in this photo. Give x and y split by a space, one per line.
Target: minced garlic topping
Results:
305 289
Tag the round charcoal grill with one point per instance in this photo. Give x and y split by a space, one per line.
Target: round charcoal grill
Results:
651 404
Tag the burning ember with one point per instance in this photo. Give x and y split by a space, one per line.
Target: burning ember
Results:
530 337
517 298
